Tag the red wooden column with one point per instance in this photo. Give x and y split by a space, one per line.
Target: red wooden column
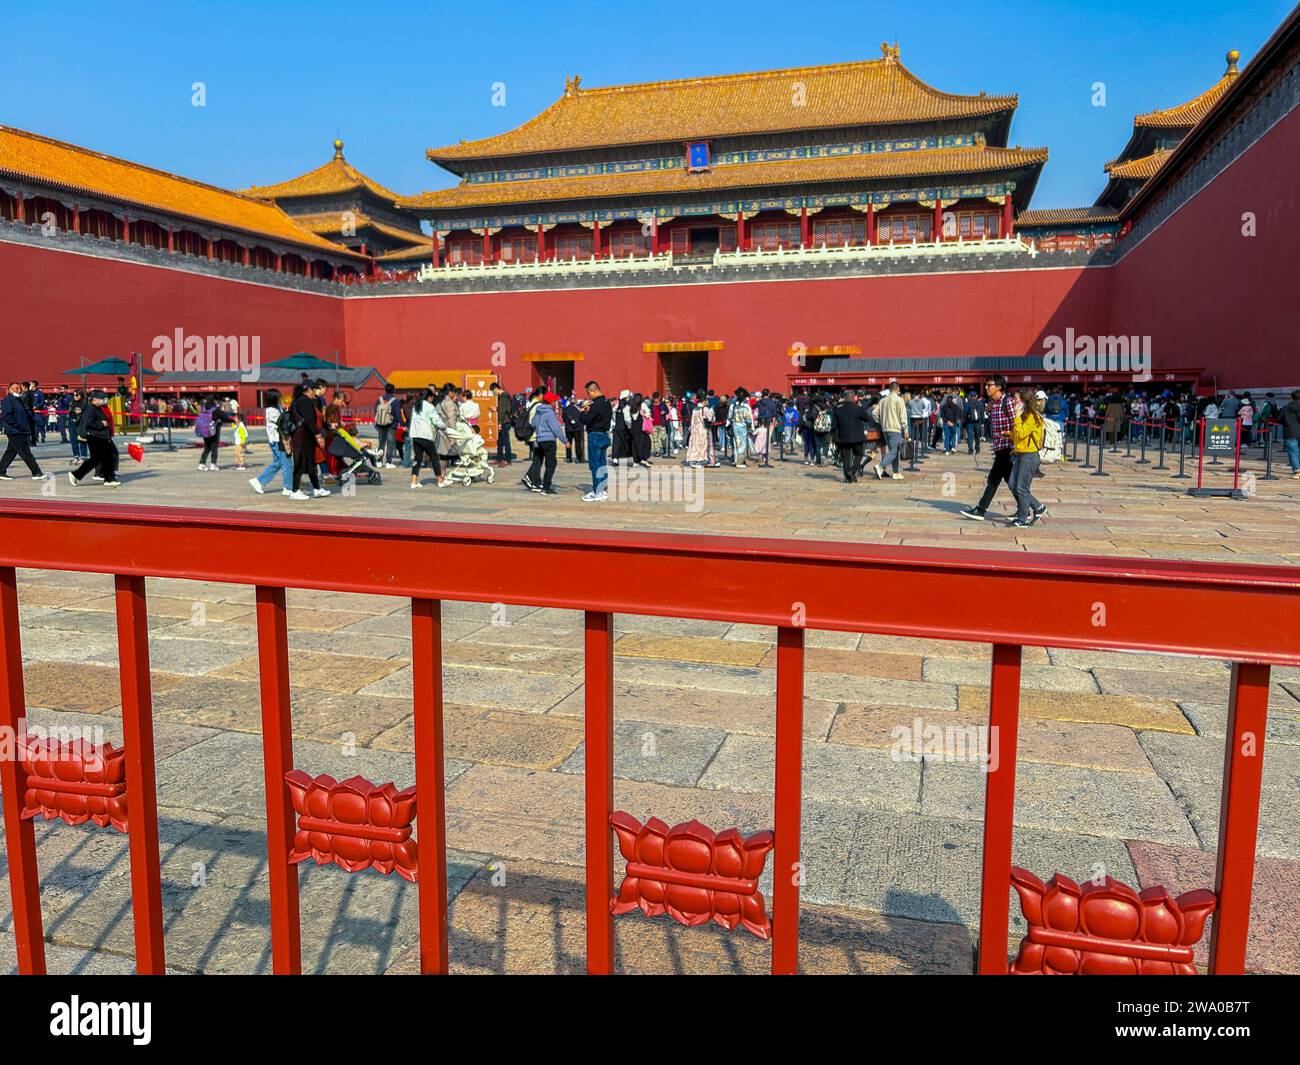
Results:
171 238
654 234
937 225
541 243
20 213
137 740
599 782
999 808
279 262
871 224
595 240
1243 771
430 783
277 760
434 258
740 231
805 230
786 868
244 250
76 220
1008 223
126 230
209 249
19 835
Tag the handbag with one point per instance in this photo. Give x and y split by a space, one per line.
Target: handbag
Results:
907 450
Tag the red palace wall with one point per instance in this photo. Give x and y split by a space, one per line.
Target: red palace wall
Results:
1209 296
1002 313
59 306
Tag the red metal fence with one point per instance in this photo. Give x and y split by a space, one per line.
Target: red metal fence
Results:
1001 598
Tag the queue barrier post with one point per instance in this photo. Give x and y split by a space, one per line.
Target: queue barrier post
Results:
1087 446
1182 473
1101 456
1164 431
1142 459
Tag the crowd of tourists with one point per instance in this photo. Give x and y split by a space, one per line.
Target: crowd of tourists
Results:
314 439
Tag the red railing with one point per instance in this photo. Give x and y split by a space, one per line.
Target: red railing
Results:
688 871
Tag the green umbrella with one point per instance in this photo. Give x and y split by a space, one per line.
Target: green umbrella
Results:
301 361
109 366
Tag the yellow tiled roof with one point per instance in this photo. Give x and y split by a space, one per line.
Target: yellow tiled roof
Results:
930 162
1066 216
874 92
326 222
416 252
67 166
1141 168
338 175
1194 110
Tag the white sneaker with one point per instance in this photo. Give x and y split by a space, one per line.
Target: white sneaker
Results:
202 467
320 492
299 495
97 477
603 497
288 492
416 484
256 485
880 474
590 497
72 479
895 476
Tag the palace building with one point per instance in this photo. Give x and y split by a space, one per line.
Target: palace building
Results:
1155 135
855 154
820 226
338 202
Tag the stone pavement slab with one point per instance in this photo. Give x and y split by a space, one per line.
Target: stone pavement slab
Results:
1136 712
652 751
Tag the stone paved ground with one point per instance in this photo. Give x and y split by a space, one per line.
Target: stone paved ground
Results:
1120 753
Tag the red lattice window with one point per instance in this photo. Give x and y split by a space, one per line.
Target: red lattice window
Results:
625 243
727 239
975 225
904 227
769 236
465 251
573 246
518 249
838 232
681 241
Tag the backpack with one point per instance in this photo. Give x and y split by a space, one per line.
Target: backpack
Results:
1051 449
822 423
384 412
203 425
523 425
1054 405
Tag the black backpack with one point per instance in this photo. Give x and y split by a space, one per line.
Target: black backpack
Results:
1054 405
523 425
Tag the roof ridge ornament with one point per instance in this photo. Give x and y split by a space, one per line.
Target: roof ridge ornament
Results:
338 148
889 52
1232 58
572 84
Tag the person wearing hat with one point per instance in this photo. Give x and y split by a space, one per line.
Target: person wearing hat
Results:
20 428
98 432
548 431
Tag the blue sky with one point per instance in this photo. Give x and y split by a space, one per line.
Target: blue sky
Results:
283 79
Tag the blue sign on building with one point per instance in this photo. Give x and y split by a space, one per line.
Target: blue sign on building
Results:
697 155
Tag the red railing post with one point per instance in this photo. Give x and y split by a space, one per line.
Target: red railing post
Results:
430 785
141 791
599 772
1243 772
20 836
787 869
999 809
277 760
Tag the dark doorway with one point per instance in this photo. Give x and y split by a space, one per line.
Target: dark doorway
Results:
704 241
683 371
556 376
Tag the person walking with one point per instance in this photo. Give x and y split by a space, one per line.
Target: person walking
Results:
892 414
597 417
449 412
699 452
851 420
96 429
385 424
1290 418
280 463
207 427
20 429
571 415
973 412
1001 416
951 415
424 421
505 422
548 431
742 423
306 437
1027 436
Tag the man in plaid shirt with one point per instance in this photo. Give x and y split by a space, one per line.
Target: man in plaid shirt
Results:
1001 414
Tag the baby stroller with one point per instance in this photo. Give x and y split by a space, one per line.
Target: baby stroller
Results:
472 457
356 457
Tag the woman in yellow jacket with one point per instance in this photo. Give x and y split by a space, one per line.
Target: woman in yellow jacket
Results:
1027 434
